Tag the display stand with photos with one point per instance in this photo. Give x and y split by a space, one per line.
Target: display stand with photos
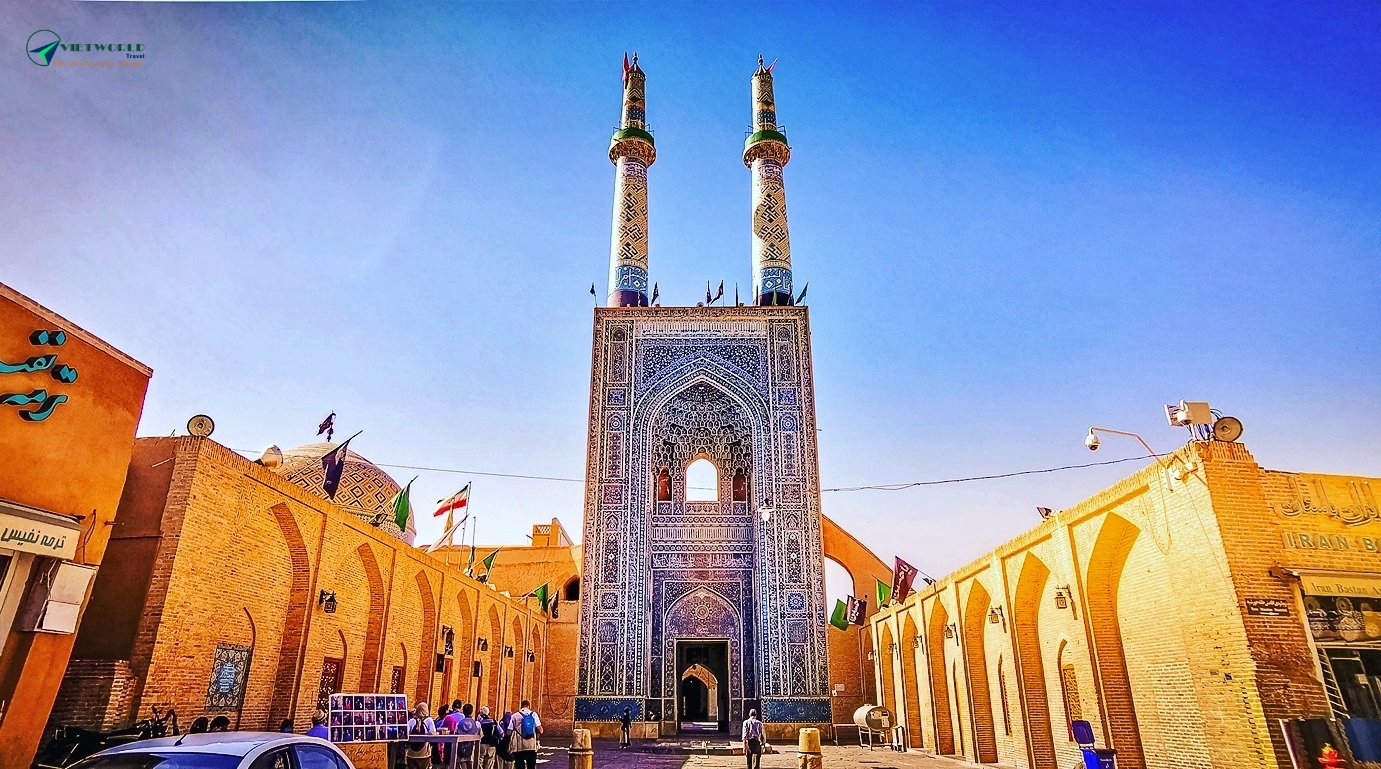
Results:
368 717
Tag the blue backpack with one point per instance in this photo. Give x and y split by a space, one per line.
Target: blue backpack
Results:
529 729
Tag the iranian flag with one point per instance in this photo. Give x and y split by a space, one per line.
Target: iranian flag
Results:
457 501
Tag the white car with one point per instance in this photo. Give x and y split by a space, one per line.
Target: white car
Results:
222 750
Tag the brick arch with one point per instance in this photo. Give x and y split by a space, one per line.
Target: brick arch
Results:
517 681
495 662
1109 557
465 648
285 679
426 648
1040 742
374 623
939 680
975 656
909 643
886 655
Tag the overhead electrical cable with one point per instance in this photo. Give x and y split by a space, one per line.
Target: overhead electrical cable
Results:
871 487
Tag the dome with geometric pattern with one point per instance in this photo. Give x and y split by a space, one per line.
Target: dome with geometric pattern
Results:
365 490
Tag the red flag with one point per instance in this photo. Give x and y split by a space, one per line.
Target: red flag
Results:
625 66
456 501
901 580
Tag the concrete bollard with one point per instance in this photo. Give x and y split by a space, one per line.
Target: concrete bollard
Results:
581 753
808 750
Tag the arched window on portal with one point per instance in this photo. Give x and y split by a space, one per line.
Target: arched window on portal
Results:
740 485
702 481
572 590
664 485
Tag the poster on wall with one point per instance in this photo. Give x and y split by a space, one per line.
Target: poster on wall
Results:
368 717
229 673
1343 619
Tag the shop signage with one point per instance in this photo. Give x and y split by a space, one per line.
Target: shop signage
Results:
37 404
1268 607
27 535
1341 585
1309 540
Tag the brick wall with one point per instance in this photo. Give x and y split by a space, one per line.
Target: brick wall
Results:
1154 636
242 556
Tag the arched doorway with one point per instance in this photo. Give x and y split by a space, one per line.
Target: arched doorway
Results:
703 641
701 700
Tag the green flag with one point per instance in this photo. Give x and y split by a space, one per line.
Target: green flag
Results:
884 593
837 618
541 594
489 561
401 508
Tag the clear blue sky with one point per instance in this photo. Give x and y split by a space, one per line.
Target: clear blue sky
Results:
1016 220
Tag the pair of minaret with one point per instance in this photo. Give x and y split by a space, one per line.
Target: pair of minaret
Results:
632 151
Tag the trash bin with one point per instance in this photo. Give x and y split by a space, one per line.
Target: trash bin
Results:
1094 758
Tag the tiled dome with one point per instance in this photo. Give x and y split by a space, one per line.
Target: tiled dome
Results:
365 490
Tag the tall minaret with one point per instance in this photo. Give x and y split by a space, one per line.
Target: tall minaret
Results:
766 153
631 150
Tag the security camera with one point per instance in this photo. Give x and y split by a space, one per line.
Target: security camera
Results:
1092 442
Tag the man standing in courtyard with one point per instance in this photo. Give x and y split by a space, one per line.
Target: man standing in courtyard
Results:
752 740
526 727
625 726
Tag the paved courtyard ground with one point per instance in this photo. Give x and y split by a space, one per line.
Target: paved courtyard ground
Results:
608 756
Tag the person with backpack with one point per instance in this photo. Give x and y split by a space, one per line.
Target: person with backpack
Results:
752 740
527 727
419 754
506 743
491 734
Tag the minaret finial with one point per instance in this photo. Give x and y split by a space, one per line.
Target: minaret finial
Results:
766 153
632 152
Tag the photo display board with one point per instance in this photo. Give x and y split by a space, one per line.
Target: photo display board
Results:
368 717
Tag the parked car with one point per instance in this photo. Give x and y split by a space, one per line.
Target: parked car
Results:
222 750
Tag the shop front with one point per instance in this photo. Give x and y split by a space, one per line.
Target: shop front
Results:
69 406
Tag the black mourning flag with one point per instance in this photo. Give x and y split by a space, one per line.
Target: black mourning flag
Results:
334 465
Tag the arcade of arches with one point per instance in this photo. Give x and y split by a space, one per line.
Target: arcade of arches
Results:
1182 612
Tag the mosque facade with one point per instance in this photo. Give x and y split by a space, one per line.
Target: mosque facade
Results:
697 608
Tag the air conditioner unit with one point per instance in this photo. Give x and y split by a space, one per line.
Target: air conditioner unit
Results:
55 598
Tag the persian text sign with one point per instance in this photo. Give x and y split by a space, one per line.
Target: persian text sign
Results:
27 535
1361 587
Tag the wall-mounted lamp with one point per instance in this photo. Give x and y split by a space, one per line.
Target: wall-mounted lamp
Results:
995 615
531 656
916 644
482 644
327 601
448 641
949 630
508 651
872 655
1062 597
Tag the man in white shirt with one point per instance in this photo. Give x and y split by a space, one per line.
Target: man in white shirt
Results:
526 727
752 740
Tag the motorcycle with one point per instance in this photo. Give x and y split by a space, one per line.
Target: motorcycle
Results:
70 744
